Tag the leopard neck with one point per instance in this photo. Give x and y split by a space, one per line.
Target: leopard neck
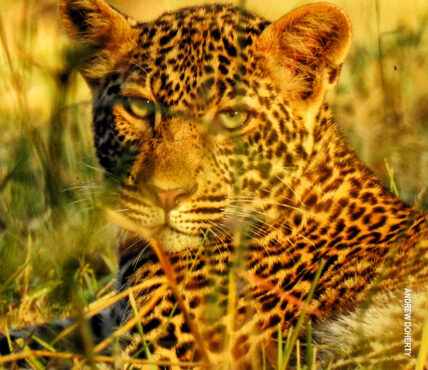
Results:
336 189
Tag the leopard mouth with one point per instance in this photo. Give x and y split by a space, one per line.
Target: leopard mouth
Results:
157 229
172 238
172 232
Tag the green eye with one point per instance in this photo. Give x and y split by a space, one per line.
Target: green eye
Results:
233 119
140 108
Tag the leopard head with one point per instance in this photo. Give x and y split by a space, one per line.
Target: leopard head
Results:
207 113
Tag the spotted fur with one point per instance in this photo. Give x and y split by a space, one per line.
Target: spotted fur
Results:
246 215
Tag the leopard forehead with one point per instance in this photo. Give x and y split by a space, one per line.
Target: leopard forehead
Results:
188 57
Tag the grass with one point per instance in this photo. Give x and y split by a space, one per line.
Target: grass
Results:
57 249
54 240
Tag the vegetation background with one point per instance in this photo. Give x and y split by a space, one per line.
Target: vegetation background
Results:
57 251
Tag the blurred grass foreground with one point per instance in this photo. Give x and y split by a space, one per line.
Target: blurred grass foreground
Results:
57 251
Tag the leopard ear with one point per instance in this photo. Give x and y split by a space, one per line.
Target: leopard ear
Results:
310 43
104 32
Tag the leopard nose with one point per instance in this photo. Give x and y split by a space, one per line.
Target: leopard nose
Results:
168 199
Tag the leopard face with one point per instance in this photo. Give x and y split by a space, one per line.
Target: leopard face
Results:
206 117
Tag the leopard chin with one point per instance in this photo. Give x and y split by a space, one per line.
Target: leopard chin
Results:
172 240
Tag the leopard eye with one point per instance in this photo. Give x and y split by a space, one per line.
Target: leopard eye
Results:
233 118
140 108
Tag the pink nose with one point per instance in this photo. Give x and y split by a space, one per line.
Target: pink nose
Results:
169 199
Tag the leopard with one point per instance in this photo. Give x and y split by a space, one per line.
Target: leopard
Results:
215 123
